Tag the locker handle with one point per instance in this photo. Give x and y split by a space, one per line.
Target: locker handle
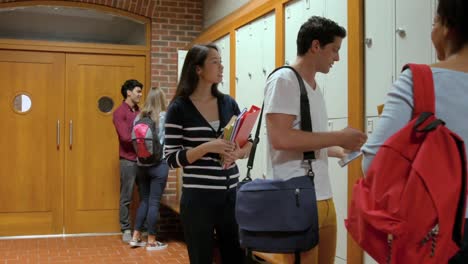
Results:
71 134
370 126
58 134
401 32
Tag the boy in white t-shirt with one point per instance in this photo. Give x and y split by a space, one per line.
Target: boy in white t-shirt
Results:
318 42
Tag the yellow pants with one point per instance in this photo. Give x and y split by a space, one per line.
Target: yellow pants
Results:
325 251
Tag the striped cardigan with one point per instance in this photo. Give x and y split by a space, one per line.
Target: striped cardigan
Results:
185 129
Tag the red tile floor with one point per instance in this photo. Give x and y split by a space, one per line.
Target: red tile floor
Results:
89 250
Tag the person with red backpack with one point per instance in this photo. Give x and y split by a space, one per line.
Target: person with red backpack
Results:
426 147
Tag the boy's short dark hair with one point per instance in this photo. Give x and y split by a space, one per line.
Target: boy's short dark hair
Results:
129 85
318 28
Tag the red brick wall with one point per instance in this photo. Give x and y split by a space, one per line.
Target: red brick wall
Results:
175 23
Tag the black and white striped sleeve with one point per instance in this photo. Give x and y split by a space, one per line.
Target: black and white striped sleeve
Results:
174 151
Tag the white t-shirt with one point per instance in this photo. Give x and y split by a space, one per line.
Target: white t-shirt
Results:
282 96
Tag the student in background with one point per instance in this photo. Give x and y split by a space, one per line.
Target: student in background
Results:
450 39
123 118
151 178
318 44
194 122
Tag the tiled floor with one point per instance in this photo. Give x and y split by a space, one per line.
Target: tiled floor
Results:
89 250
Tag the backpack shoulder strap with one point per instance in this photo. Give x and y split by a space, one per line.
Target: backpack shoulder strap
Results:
423 89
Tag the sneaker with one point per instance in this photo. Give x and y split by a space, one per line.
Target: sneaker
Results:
156 246
137 243
127 235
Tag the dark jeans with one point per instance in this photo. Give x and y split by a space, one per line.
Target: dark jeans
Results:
151 183
202 213
127 181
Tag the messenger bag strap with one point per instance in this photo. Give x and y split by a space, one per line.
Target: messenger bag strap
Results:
253 149
306 120
297 257
306 125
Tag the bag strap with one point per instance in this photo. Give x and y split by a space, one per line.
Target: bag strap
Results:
423 89
306 125
297 257
253 149
306 120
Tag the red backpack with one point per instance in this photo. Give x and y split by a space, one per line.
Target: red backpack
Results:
410 208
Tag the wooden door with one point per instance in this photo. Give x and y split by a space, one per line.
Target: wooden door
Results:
92 180
31 156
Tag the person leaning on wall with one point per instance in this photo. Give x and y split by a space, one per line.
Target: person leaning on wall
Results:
123 118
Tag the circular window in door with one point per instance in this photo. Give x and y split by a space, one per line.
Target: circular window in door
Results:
22 103
105 104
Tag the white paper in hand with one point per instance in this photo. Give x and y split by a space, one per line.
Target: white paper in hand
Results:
348 158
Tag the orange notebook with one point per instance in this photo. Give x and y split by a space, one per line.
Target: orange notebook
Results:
246 125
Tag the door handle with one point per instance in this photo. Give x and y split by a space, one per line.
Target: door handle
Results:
71 134
58 134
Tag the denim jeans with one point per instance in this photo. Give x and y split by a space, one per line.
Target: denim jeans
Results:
151 184
127 181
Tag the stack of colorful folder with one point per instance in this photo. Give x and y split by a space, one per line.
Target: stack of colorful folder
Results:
239 127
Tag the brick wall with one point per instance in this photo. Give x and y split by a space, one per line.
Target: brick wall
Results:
174 24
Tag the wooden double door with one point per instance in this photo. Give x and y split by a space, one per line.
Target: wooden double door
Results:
59 167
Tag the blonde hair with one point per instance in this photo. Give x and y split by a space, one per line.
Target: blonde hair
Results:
155 103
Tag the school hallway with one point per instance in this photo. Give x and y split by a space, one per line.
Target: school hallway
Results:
89 249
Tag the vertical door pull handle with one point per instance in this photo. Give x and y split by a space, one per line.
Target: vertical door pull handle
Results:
58 134
71 134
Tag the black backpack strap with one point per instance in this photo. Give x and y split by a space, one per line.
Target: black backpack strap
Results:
297 257
306 125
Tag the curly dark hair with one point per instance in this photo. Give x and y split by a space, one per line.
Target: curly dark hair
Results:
129 85
454 15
